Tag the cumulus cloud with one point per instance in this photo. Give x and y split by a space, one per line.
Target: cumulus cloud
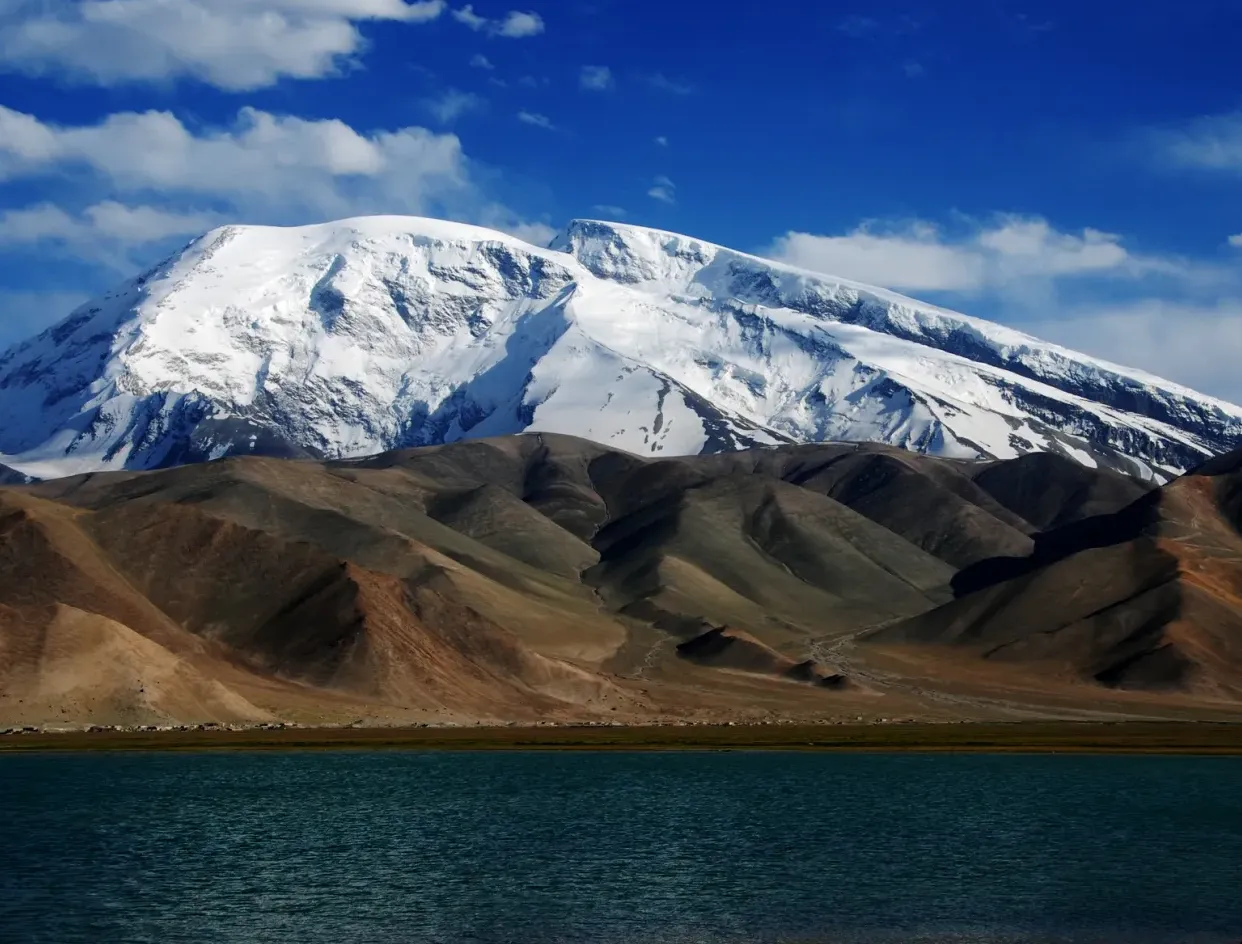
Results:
113 237
141 179
913 259
1032 246
919 256
262 168
536 119
1174 317
514 25
233 44
538 234
596 78
130 224
1197 344
453 103
1236 241
104 232
480 61
1213 142
467 17
520 25
265 161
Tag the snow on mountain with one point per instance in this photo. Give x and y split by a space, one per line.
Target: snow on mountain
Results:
352 337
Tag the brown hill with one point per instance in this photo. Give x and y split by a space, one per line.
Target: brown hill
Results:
1145 598
542 576
1048 490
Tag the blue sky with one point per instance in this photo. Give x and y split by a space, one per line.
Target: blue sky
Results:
1074 169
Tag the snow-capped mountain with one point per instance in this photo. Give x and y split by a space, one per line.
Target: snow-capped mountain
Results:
352 337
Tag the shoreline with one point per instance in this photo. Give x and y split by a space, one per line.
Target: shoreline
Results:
1121 737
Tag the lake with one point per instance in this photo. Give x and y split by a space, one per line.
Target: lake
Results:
611 848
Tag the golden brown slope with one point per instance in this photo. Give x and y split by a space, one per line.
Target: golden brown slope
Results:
542 576
171 584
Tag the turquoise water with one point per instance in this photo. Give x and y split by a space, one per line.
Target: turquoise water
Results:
619 847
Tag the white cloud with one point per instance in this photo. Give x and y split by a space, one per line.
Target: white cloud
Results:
664 84
104 232
919 256
500 217
453 103
515 24
263 168
144 224
129 224
1212 143
1032 246
519 25
663 190
233 44
608 209
662 141
1176 318
1199 345
911 260
264 162
1236 241
536 119
468 17
139 178
538 234
480 61
596 78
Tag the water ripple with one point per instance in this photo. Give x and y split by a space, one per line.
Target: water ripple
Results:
615 848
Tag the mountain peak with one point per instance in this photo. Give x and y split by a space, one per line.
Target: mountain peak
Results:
365 334
634 254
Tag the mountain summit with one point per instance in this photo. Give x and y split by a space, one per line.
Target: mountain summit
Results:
353 337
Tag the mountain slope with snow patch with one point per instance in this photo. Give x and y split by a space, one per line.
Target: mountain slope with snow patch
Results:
353 337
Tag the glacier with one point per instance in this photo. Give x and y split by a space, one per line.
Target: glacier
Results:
348 338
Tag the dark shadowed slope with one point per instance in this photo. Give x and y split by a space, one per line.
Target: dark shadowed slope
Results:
1047 490
1149 597
934 505
543 576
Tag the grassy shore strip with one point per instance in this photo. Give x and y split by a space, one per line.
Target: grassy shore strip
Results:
1017 737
